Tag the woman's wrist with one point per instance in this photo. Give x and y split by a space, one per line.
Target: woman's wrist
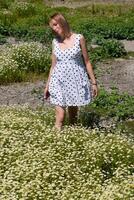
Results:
94 82
46 86
47 83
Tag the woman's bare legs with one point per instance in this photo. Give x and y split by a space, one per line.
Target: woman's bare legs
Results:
72 114
60 115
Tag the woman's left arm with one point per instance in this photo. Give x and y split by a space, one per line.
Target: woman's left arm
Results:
88 65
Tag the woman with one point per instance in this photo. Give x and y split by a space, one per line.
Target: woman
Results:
68 83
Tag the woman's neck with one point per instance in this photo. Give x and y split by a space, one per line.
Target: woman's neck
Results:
63 37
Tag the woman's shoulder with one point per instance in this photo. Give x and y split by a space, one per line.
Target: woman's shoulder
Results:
79 35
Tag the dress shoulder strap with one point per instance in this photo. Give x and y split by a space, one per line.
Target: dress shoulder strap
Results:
78 38
53 41
53 44
79 35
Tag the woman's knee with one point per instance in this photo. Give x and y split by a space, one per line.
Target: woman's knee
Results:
60 110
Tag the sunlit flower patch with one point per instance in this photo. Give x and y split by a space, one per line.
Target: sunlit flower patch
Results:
38 162
23 57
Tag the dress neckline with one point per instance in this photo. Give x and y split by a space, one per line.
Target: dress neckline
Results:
69 47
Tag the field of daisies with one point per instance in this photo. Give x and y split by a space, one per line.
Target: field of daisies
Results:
38 162
84 161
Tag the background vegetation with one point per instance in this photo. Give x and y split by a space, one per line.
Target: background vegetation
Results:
101 24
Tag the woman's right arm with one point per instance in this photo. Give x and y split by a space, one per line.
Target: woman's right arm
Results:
53 61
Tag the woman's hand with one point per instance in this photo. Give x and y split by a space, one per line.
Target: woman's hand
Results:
46 92
95 90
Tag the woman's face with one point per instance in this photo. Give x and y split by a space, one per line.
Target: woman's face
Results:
55 26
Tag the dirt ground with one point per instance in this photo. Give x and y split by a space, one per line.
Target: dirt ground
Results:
23 93
80 3
119 73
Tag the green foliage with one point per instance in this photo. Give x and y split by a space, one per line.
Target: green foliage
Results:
37 20
108 49
5 3
2 39
113 104
22 8
19 30
4 29
7 17
96 55
118 28
115 28
40 34
105 9
98 39
43 35
113 48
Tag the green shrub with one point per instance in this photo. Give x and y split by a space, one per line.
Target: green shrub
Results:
97 39
8 69
23 57
7 17
5 30
96 55
43 35
36 20
31 56
113 48
118 28
109 104
2 39
22 9
108 49
5 3
19 31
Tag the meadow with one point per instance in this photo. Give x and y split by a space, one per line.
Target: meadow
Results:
38 162
87 161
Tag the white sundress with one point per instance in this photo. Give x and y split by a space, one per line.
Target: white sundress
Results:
69 84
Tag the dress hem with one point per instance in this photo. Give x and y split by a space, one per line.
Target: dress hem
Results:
84 104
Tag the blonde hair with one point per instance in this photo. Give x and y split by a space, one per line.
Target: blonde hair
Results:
62 22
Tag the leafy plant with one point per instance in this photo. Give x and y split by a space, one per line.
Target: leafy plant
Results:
118 28
31 56
2 39
5 3
113 48
111 107
22 9
23 57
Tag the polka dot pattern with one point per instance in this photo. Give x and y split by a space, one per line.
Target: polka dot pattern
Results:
69 84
